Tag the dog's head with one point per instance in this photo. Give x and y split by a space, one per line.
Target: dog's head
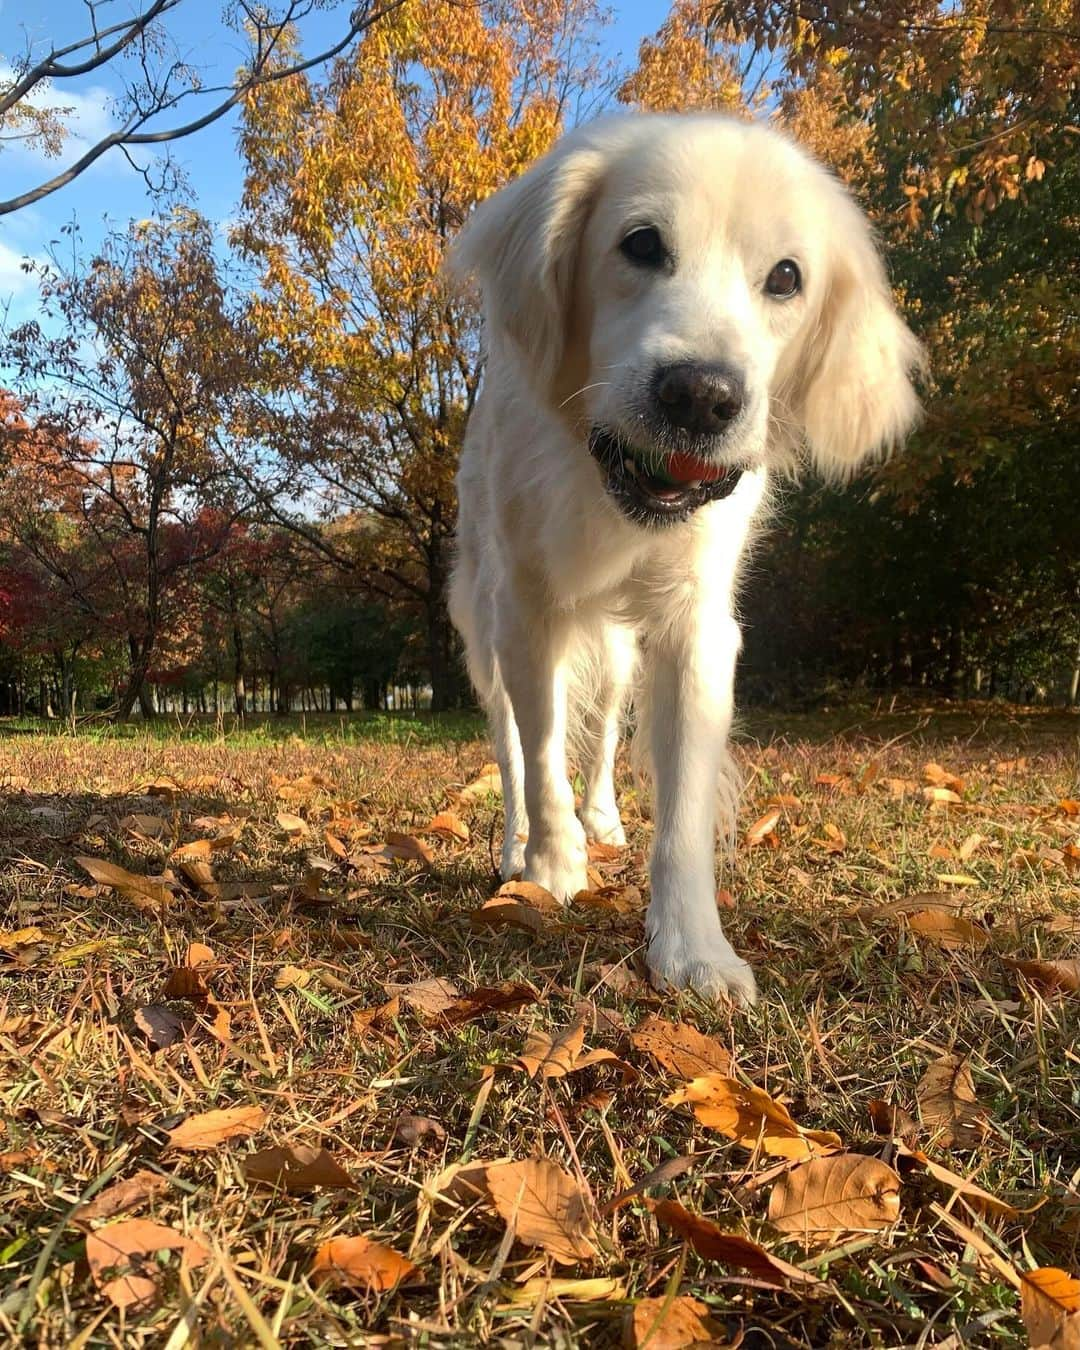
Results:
698 296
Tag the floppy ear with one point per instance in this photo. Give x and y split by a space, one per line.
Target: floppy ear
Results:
853 393
521 246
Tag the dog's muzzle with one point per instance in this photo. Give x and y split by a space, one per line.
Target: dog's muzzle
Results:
651 488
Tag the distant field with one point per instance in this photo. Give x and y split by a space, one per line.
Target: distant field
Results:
892 867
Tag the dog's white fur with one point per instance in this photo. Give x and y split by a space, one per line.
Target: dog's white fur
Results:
558 595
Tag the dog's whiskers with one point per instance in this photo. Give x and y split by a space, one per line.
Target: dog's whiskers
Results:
599 384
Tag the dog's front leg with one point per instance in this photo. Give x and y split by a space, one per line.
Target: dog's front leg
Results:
690 697
532 649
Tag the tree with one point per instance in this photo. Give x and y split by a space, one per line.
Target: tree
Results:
153 108
117 465
353 190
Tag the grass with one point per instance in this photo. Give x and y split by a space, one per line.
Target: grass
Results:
855 1006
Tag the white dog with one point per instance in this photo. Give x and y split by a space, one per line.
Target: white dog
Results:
674 305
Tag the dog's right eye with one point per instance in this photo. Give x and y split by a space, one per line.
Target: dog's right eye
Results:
644 246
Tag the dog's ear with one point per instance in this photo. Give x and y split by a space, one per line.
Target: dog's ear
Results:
521 246
852 393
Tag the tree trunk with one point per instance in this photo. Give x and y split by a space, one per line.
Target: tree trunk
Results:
239 691
1074 683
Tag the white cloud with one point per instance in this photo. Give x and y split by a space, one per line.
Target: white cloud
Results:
14 282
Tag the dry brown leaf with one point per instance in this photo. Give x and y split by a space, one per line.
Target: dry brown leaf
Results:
835 841
660 1175
410 1130
488 781
673 1324
752 1118
152 827
543 1289
949 1106
202 848
939 901
845 1193
379 1018
139 890
500 913
1050 1307
679 1048
600 852
448 826
407 847
292 977
296 1167
430 998
128 1248
208 1129
553 1056
123 1195
508 996
892 1121
290 823
947 930
763 827
936 776
1053 976
360 1263
941 796
529 893
730 1249
611 900
160 1025
968 1191
465 1184
545 1207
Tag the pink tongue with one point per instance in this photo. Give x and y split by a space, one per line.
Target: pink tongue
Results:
686 469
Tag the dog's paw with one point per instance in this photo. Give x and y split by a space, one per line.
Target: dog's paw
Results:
559 865
712 968
512 863
604 827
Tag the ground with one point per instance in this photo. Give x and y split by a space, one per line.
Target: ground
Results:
130 1007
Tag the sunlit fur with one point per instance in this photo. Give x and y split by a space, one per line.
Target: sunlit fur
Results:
567 606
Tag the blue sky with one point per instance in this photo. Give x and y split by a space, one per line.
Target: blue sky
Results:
111 191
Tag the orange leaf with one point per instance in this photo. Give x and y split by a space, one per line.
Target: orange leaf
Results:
448 826
140 890
128 1247
729 1249
488 782
673 1324
297 1167
1050 1307
407 847
762 827
1054 976
545 1207
948 1104
752 1118
845 1193
947 930
358 1262
210 1128
680 1049
936 776
122 1195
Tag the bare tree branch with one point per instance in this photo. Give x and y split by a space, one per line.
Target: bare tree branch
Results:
261 71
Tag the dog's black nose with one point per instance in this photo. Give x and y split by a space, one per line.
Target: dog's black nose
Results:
701 399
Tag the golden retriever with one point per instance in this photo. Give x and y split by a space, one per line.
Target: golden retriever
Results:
675 306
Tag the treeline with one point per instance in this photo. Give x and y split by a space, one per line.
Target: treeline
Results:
228 467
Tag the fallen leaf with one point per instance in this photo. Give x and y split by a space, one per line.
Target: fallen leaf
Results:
845 1193
429 997
129 1247
358 1262
947 930
940 901
140 890
1053 976
529 893
292 977
410 1130
949 1106
123 1195
544 1288
378 1018
835 841
160 1025
762 828
679 1048
408 848
941 796
611 900
672 1324
500 913
152 827
730 1249
969 1192
508 996
12 939
545 1207
600 852
939 777
296 1167
1050 1308
291 824
209 1128
1069 806
552 1056
448 826
752 1118
489 781
892 1121
660 1175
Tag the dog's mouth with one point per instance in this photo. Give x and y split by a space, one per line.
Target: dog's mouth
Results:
654 488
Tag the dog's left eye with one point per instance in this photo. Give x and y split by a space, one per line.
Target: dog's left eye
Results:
644 246
785 280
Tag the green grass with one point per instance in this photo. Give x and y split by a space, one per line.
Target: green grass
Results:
854 1008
